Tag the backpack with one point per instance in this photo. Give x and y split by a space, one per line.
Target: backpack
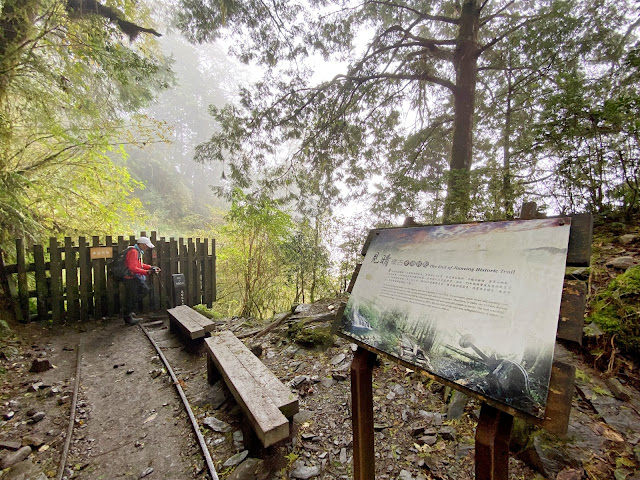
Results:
117 268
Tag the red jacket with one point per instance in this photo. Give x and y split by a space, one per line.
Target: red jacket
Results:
133 261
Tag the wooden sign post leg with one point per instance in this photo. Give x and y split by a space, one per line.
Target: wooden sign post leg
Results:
362 414
492 444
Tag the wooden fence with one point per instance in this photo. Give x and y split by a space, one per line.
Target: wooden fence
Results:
72 284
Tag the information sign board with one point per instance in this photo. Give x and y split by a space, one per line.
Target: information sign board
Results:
100 252
476 304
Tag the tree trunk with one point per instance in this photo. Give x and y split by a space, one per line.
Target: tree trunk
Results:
457 204
507 194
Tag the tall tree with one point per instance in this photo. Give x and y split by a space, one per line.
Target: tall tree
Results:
420 65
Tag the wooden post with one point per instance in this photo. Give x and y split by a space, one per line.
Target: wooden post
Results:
122 244
71 276
199 272
42 291
156 257
6 287
111 283
55 269
207 287
492 444
86 282
23 285
213 269
362 414
184 269
192 273
99 283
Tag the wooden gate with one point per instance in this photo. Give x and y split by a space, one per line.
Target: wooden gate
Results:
70 281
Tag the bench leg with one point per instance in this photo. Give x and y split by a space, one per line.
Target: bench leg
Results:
250 439
212 372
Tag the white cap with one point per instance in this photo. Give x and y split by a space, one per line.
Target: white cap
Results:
146 241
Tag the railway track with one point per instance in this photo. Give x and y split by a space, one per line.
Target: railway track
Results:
187 408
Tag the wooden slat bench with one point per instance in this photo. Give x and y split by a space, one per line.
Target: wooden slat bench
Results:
264 399
190 323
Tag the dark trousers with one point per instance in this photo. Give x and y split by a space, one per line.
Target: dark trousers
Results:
135 289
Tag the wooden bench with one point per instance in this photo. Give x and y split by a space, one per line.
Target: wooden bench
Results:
264 399
188 322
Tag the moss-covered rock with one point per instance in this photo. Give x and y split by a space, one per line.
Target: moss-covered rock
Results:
310 335
616 310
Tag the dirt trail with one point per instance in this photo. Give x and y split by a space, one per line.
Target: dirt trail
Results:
134 421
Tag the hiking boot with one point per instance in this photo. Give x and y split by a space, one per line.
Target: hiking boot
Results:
132 321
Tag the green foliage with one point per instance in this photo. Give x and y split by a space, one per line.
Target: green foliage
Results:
616 312
250 254
552 88
69 85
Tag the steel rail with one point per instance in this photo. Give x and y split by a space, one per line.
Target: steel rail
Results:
194 422
72 419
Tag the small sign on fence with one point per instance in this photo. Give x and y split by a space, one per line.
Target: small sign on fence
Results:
101 252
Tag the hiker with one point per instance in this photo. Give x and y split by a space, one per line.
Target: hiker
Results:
135 281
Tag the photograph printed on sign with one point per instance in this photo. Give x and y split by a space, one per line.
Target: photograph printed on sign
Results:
476 304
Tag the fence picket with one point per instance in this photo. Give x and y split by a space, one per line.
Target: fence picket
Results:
69 284
55 270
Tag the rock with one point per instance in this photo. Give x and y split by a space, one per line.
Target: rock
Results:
570 474
327 382
12 458
456 407
547 458
628 238
9 415
622 263
299 380
40 365
398 389
405 475
9 445
302 416
237 459
618 390
343 455
432 417
215 396
250 469
217 425
33 441
448 434
339 376
304 472
146 472
25 470
38 416
256 349
34 387
592 330
577 273
427 440
238 439
337 359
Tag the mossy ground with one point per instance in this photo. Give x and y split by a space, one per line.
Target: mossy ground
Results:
616 310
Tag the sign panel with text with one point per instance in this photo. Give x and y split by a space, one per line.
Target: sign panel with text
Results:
476 304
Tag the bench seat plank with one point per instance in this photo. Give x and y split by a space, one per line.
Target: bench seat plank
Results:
193 324
269 423
281 395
